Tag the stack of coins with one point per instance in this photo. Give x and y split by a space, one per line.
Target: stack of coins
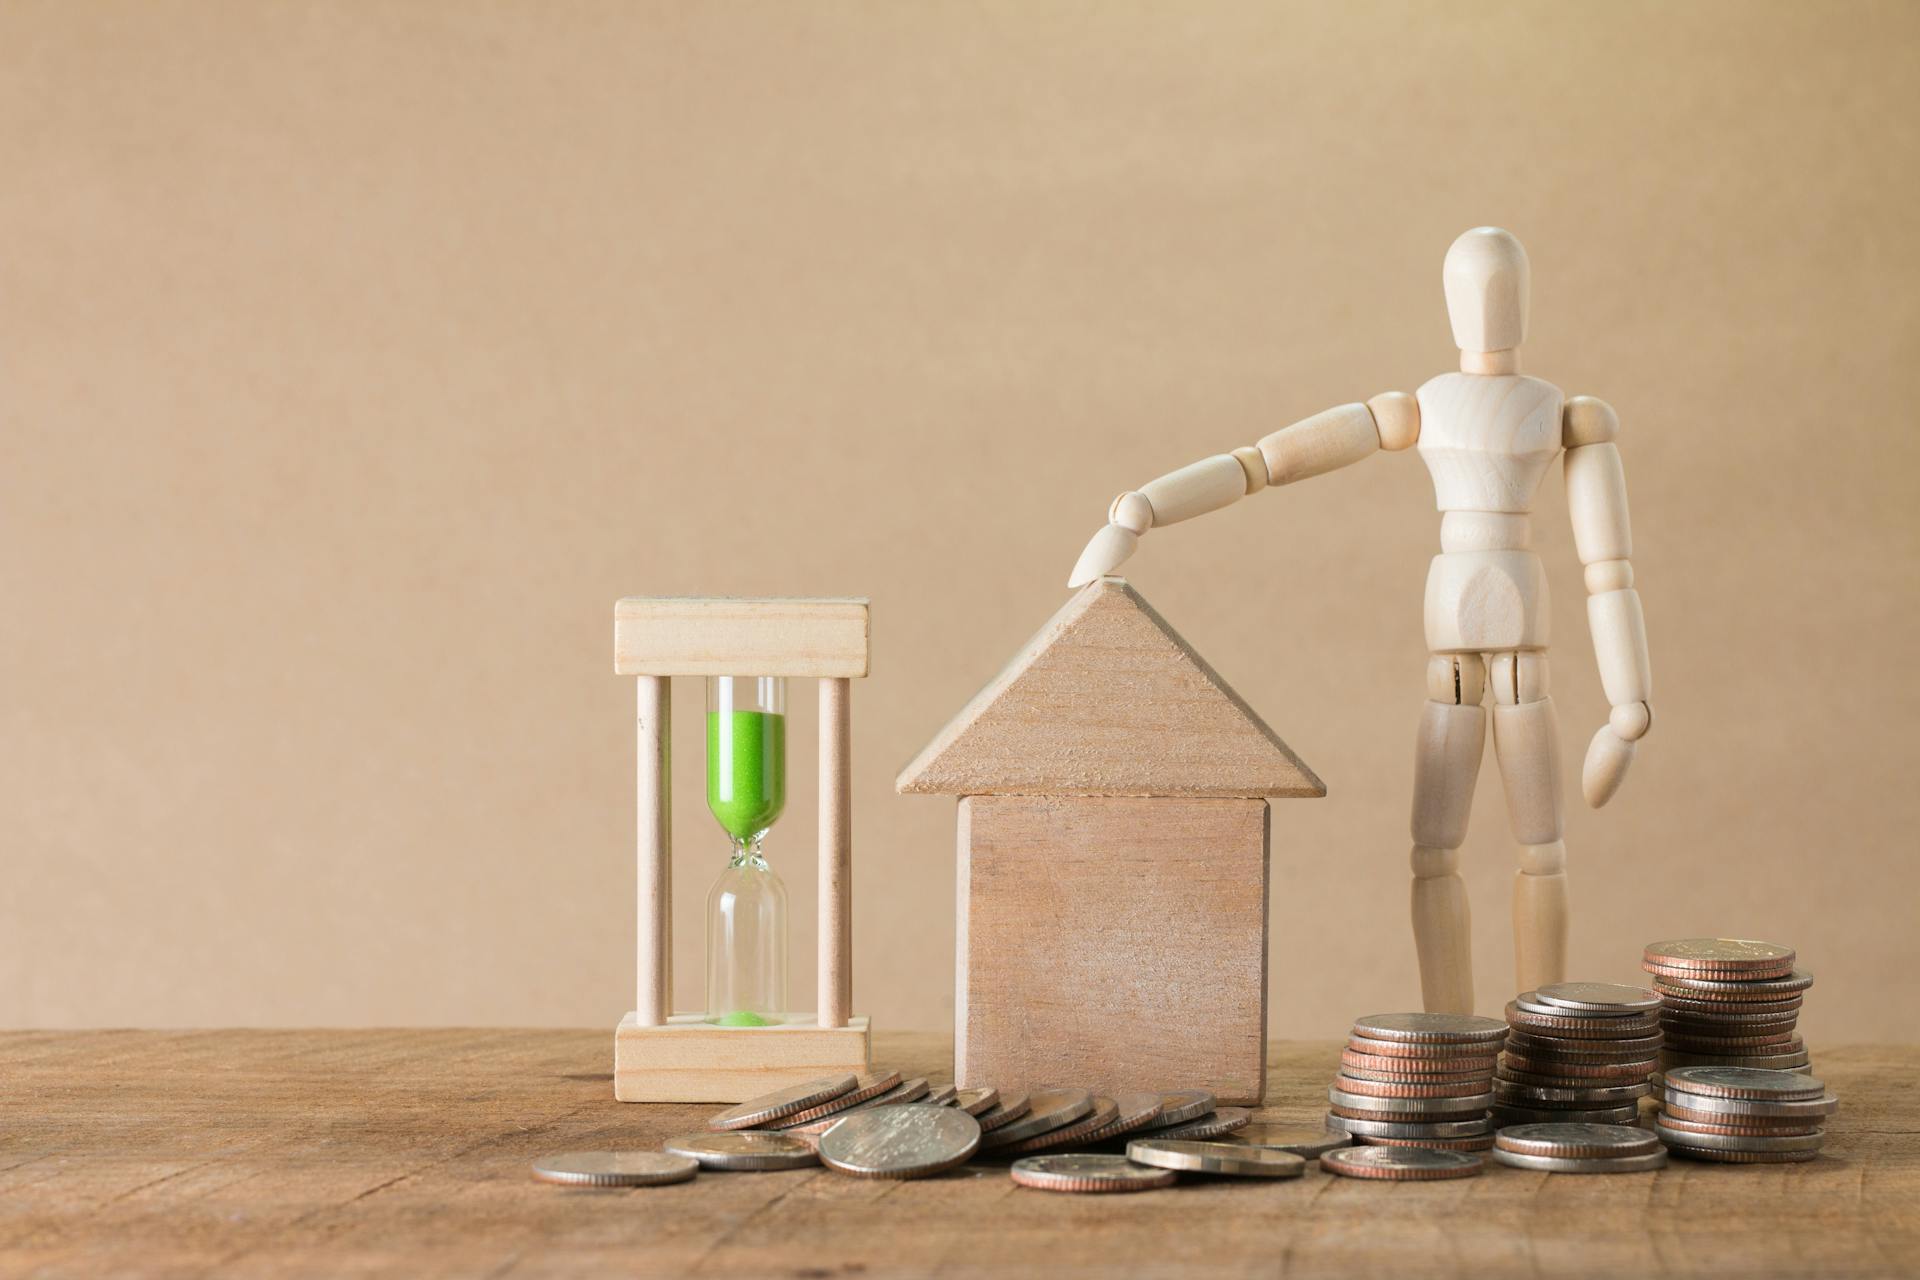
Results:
1579 1148
1743 1115
1577 1053
1729 1002
1417 1080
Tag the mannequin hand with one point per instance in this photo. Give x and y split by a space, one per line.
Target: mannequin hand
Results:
1612 751
1106 551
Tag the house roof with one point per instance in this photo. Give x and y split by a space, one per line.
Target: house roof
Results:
1107 699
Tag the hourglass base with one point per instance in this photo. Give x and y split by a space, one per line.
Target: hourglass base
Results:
693 1060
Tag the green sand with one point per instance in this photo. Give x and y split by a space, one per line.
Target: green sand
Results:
742 1018
746 770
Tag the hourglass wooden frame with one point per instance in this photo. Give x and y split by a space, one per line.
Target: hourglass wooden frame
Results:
662 1056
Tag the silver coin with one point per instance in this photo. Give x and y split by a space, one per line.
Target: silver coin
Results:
1601 997
1825 1105
1009 1108
1214 1124
1504 1116
907 1141
1078 1134
865 1089
744 1149
783 1102
1185 1104
1047 1109
1411 1128
1132 1111
1436 1028
1227 1158
977 1102
1744 1157
1583 1164
1534 1094
941 1095
1576 1141
1798 980
1759 1062
1739 954
1400 1164
614 1168
1743 1082
1309 1143
1740 1142
1408 1106
1091 1174
906 1091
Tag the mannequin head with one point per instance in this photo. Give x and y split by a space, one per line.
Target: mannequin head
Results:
1485 275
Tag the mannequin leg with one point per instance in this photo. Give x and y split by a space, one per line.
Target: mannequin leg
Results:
1446 763
1526 742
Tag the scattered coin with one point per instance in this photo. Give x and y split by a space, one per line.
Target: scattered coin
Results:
614 1168
1088 1173
1104 1113
755 1149
1575 1164
1010 1107
1216 1123
1184 1104
1400 1164
865 1088
906 1091
1430 1028
1047 1109
911 1140
1308 1143
941 1095
977 1102
782 1102
1576 1141
1225 1158
1131 1111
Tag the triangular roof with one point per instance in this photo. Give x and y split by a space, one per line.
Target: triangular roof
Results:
1107 699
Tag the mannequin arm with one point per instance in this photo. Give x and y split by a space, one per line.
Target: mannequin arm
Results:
1597 503
1325 442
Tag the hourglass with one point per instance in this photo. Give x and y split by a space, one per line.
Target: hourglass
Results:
747 1040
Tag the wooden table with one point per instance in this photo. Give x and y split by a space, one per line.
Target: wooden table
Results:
406 1153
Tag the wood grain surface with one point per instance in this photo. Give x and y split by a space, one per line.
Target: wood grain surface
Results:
280 1153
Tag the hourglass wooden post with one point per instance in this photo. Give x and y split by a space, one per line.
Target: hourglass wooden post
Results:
662 1056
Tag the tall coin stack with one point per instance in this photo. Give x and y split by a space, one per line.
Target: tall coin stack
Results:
1577 1053
1743 1115
1729 1002
1417 1080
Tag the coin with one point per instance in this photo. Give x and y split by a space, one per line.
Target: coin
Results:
1532 1094
906 1091
1185 1104
1434 1106
977 1102
1723 1011
1405 1077
1505 1116
912 1140
1047 1109
1736 988
1131 1111
782 1102
941 1095
1219 1121
1745 1157
1412 1089
744 1149
1572 1026
1482 1143
864 1088
1400 1164
1576 1141
1621 1048
1431 1028
1761 1062
1740 1142
1309 1143
1761 1127
1579 1164
1104 1113
1605 997
1587 1068
1693 1106
1092 1174
614 1168
1228 1158
1743 1082
1422 1051
1738 955
1479 1126
1009 1108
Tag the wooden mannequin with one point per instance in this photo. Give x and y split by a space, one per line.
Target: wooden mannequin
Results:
1487 435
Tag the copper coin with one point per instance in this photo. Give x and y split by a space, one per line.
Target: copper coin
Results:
1623 1049
1386 1065
1400 1117
906 1091
1424 1052
1763 1062
1707 989
1600 997
1746 956
1049 1109
1132 1111
941 1096
1778 1042
1671 1121
977 1102
1401 1164
1363 1073
1548 1080
1430 1028
1743 1082
1577 1141
1636 1069
1745 1157
1105 1112
1009 1108
1577 1028
1090 1174
1185 1104
1406 1089
1528 1095
1472 1127
1510 1115
1482 1143
1729 1010
864 1088
782 1103
1216 1123
1693 1106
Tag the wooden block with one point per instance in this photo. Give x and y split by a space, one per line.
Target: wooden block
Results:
691 1060
728 636
1112 942
1108 700
1193 490
1486 602
1325 442
1597 503
1486 277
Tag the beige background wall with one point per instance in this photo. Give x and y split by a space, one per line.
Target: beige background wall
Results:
354 358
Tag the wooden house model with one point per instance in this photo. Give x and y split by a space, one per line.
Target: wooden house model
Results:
1113 860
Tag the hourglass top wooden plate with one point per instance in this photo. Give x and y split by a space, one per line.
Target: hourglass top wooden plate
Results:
735 636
